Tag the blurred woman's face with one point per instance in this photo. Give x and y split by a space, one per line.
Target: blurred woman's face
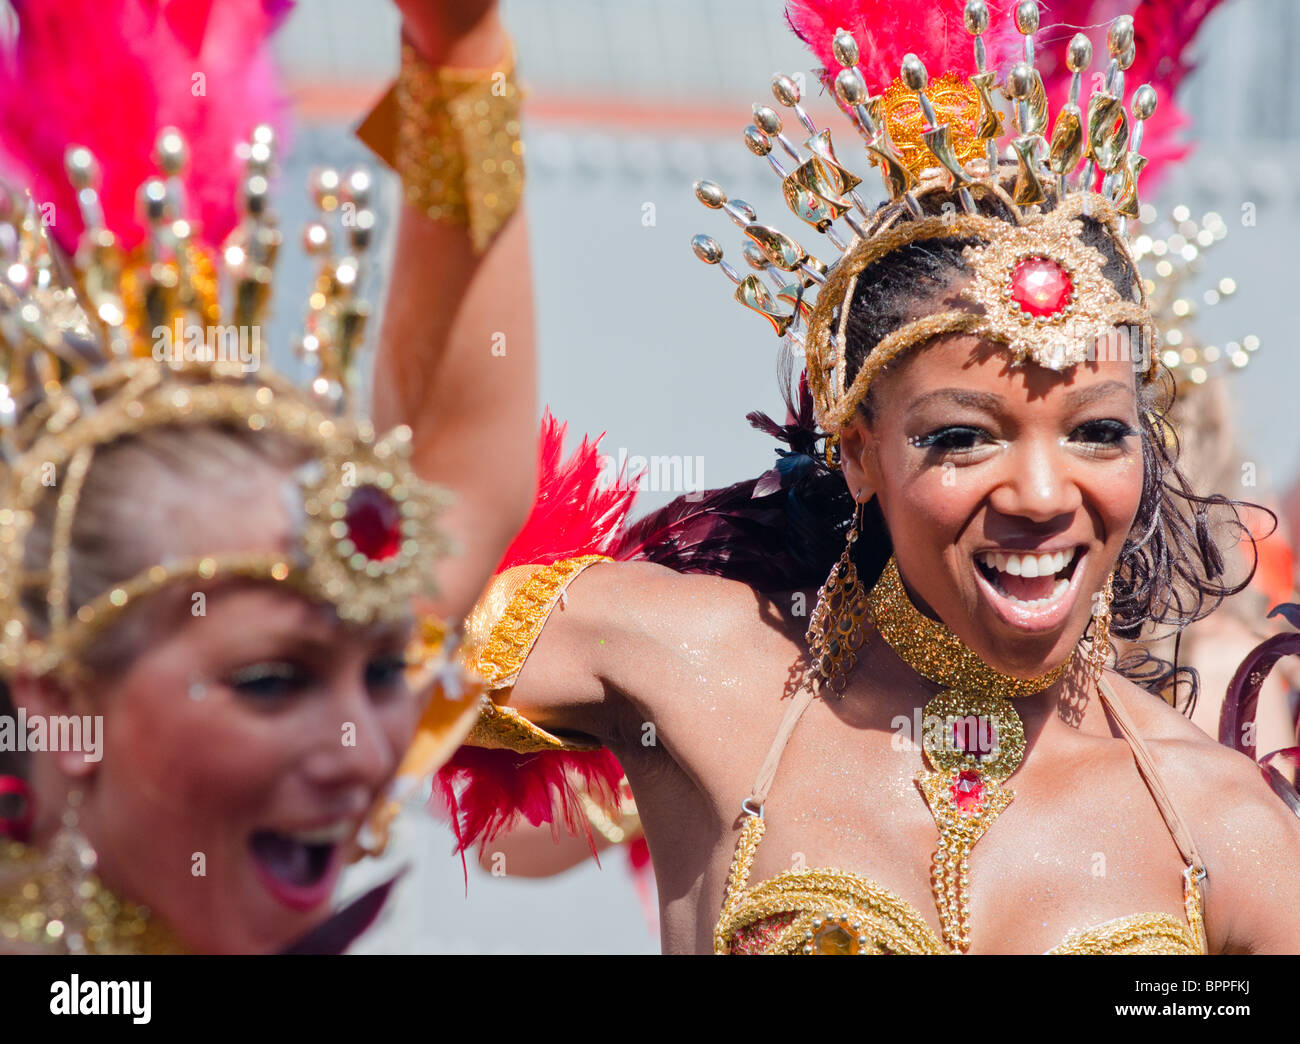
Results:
242 748
241 755
1008 491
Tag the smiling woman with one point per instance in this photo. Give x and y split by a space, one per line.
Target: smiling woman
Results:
249 729
1103 421
217 566
980 492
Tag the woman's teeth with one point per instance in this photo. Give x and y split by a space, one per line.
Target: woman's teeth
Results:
1027 565
1028 579
327 835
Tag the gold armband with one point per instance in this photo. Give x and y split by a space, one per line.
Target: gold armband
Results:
452 135
500 633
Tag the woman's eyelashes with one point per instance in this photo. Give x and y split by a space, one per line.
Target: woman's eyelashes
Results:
958 439
274 681
1108 431
269 681
954 438
386 673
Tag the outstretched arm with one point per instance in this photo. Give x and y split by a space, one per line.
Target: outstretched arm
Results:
456 356
611 652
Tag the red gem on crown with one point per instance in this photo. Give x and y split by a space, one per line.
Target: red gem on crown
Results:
1041 286
374 523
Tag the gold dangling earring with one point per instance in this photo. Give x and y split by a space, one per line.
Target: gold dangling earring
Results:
835 628
69 880
1101 630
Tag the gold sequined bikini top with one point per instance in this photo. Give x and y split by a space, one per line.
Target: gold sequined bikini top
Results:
827 911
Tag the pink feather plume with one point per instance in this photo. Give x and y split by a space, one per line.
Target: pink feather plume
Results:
886 30
110 74
934 30
1163 32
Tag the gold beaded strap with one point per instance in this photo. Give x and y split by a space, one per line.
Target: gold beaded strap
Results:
1194 873
752 831
500 632
737 878
453 137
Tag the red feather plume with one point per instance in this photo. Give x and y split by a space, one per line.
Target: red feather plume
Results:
490 791
573 513
110 74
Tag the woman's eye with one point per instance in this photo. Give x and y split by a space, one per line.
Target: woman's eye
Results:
386 672
268 681
1108 432
953 439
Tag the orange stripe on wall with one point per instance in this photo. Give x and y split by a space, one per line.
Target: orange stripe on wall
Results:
321 102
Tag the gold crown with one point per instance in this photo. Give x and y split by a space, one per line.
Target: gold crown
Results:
89 355
1037 286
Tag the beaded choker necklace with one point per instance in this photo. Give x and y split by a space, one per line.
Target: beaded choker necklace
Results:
972 738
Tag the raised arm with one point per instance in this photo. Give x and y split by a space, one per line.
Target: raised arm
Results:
456 355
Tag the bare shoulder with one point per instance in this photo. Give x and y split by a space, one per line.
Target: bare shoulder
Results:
645 626
657 600
1248 838
1200 772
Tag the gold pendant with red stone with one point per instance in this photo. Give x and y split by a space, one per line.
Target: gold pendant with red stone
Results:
972 743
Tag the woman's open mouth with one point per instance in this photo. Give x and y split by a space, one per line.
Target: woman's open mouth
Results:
299 868
1030 590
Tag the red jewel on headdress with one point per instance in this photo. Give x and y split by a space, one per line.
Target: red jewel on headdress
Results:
374 523
967 791
1041 286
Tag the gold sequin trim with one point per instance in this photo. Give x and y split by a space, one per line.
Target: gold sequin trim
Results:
1139 934
500 633
499 659
956 103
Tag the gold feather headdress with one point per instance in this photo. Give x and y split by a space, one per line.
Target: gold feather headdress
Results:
108 343
1037 286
